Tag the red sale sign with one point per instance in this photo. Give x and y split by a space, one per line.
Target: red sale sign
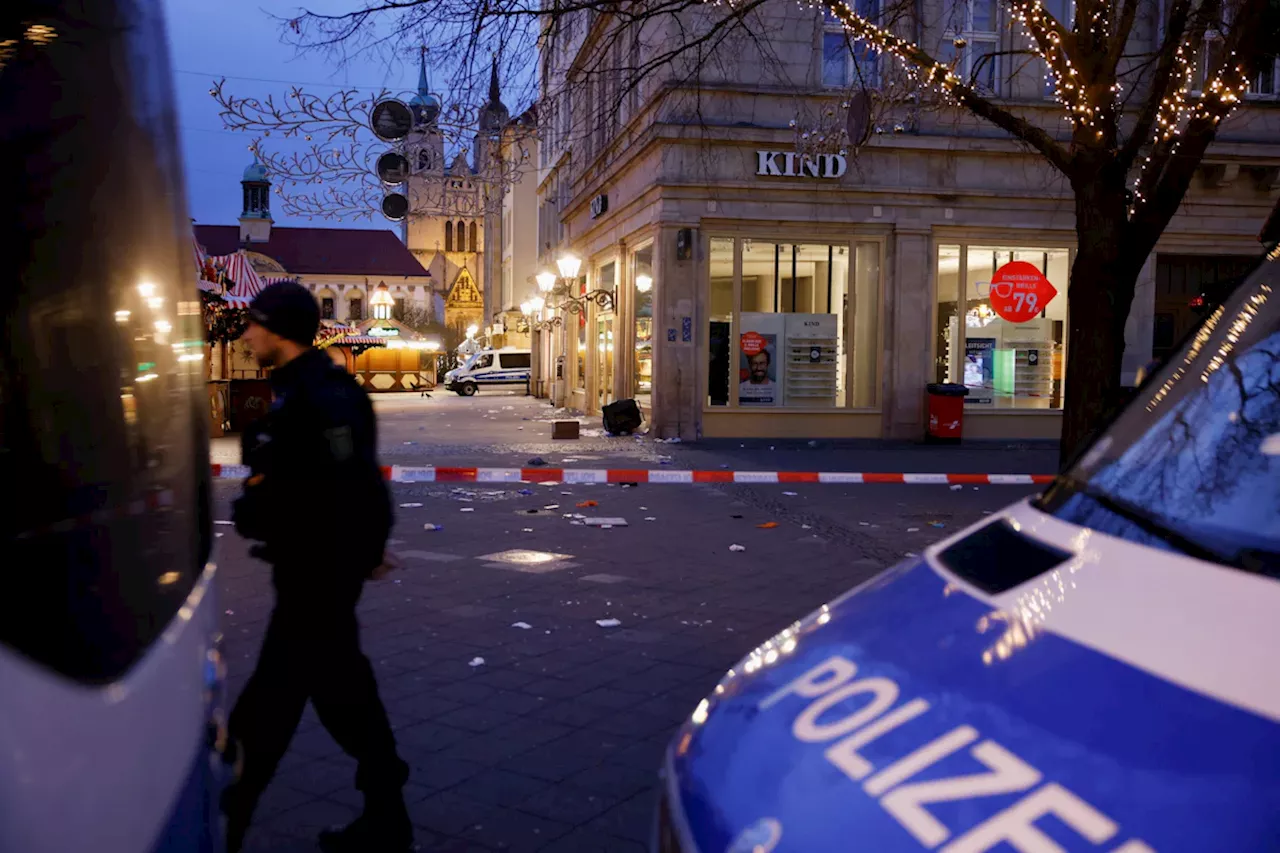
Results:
1019 292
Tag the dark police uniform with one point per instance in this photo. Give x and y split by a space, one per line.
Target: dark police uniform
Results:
317 503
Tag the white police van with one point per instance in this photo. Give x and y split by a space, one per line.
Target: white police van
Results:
1093 669
490 369
111 677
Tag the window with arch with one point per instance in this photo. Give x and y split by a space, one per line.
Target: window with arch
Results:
355 309
461 233
448 236
475 244
424 159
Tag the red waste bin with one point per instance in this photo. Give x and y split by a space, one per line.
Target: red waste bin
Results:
946 412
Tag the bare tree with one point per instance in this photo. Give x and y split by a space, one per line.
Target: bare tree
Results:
1136 116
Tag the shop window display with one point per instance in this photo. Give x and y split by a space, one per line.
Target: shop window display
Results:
720 325
642 278
788 344
1007 362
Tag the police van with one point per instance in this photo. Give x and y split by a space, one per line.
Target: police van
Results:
1091 669
490 369
112 697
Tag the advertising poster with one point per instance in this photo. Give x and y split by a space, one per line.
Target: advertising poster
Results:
980 370
759 360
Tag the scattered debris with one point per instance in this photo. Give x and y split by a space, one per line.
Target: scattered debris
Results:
525 492
768 525
231 613
790 494
957 488
476 662
806 527
735 516
583 504
605 522
218 535
551 506
911 553
937 524
913 529
673 440
536 462
608 623
227 523
527 530
650 518
864 524
813 444
432 527
467 509
410 505
737 548
522 625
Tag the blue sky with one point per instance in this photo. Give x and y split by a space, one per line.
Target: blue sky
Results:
239 40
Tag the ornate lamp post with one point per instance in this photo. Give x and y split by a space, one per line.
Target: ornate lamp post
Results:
562 286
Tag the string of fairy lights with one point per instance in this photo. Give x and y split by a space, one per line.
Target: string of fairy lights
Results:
1090 105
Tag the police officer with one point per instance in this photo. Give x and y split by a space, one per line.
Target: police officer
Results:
317 441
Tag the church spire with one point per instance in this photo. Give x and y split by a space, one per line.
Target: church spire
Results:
424 83
495 96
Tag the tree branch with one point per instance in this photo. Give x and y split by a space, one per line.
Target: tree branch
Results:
935 73
1160 84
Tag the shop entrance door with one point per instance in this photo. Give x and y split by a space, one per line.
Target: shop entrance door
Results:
604 356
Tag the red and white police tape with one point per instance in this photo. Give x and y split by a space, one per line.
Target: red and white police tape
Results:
412 474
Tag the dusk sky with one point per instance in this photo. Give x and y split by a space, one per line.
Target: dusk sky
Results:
239 40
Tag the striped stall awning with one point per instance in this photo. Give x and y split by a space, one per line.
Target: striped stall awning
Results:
238 268
276 279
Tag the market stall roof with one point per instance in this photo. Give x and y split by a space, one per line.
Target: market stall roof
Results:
397 334
320 251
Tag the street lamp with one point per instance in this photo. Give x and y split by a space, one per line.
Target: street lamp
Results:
562 287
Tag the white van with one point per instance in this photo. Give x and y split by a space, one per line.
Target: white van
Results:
490 369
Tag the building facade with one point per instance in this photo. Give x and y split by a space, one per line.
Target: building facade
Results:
513 257
343 267
758 292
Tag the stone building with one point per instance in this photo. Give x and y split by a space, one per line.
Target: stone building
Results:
758 293
343 267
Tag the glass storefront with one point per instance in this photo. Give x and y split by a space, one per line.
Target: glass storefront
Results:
606 281
642 370
792 325
1010 346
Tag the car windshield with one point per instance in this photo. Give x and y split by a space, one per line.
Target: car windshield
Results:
1193 464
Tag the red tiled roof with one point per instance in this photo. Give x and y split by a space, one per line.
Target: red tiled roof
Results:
320 251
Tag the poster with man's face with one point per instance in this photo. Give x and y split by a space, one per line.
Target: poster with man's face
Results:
758 369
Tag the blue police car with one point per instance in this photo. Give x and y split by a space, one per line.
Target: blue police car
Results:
1092 669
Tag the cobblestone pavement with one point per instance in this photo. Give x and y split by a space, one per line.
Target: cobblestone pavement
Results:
548 737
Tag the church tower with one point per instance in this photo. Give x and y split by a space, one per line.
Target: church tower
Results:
255 218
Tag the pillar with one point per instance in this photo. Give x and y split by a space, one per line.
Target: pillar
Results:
677 379
1139 328
909 309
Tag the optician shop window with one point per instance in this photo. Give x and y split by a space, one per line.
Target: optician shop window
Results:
792 325
1005 338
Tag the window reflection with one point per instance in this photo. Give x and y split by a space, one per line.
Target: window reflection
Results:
1201 457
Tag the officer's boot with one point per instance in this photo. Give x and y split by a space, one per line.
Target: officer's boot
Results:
384 827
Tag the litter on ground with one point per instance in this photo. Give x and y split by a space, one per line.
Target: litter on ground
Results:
957 488
608 623
737 548
583 504
476 662
410 505
522 625
768 525
605 522
432 527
